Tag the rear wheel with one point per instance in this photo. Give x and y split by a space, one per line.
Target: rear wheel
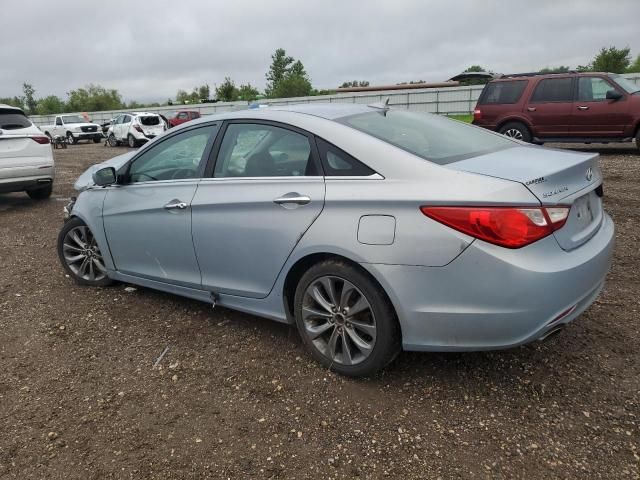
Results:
41 193
80 255
132 141
516 130
71 140
345 319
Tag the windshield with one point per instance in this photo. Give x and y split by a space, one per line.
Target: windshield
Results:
11 119
625 83
431 137
73 119
150 120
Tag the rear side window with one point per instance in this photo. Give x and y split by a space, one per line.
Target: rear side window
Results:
502 92
338 163
13 119
553 90
150 120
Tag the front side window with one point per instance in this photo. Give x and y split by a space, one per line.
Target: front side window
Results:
58 121
502 92
434 138
126 119
593 89
178 157
257 150
553 90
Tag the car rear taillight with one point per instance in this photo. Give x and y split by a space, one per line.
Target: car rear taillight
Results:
477 114
510 227
41 139
138 128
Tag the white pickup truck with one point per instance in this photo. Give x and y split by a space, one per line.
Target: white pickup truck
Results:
74 128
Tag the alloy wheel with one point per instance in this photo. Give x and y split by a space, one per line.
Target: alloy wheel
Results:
112 140
513 133
82 255
339 320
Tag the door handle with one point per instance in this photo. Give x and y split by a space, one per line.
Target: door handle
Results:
583 107
531 109
293 197
176 205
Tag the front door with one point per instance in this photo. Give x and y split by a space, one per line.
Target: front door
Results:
265 192
549 107
147 220
595 116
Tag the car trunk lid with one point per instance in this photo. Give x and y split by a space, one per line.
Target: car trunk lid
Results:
555 177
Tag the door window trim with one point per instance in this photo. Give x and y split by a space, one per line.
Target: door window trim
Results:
572 89
213 156
123 172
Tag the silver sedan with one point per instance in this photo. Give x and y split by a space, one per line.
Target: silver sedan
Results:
372 229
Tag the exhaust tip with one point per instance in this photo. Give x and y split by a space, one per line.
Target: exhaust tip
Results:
551 333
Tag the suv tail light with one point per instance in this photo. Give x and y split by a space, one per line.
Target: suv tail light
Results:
477 114
138 128
41 139
510 227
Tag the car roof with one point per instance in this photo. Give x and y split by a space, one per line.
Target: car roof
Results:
526 76
4 105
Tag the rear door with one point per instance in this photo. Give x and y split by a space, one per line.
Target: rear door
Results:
549 107
264 192
595 116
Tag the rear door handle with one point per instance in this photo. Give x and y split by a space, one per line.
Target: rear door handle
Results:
583 107
176 205
531 109
292 197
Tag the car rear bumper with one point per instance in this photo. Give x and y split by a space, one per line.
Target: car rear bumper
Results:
494 298
20 184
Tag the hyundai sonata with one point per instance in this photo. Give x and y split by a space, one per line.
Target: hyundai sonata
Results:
372 229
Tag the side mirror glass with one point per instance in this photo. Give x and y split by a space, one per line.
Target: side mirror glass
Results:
613 95
105 176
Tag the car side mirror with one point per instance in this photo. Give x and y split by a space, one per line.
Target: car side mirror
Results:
613 95
105 176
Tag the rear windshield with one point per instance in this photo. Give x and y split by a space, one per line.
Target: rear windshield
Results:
150 120
434 138
502 92
13 119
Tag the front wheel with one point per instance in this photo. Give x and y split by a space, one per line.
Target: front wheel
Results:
111 139
80 255
40 193
132 141
71 140
345 319
517 131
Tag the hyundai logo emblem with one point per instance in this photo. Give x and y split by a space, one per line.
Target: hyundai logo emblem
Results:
589 174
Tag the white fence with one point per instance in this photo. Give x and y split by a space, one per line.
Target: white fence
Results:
446 101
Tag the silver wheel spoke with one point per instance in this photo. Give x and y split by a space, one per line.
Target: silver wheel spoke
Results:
362 345
347 290
74 259
360 306
346 350
364 327
333 342
316 331
329 287
76 238
319 298
309 312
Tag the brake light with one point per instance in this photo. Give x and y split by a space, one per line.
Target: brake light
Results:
42 139
477 114
510 227
138 128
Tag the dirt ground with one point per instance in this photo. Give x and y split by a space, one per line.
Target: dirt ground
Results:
236 396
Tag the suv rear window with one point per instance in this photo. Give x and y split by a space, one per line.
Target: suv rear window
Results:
553 90
502 92
11 119
150 120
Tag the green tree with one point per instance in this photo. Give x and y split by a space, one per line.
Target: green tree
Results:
560 69
50 105
355 83
227 91
612 59
204 92
474 68
248 93
293 86
29 99
635 66
13 101
280 64
94 98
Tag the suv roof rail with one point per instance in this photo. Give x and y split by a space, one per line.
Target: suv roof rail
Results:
533 74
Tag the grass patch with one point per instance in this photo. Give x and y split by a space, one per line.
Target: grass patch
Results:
463 118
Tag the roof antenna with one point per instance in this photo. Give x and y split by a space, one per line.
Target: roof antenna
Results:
384 106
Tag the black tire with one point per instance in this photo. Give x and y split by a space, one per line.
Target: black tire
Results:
111 140
638 139
131 141
97 139
72 224
71 140
387 342
41 193
517 131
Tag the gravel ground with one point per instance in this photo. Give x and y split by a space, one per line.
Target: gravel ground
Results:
236 396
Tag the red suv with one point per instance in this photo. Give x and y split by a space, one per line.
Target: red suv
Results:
563 107
182 116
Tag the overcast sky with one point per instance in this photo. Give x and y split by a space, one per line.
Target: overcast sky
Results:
148 50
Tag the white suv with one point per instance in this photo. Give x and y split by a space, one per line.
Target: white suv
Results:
135 128
26 156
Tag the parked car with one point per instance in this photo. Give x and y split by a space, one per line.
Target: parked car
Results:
74 128
183 116
371 229
133 129
26 157
564 107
